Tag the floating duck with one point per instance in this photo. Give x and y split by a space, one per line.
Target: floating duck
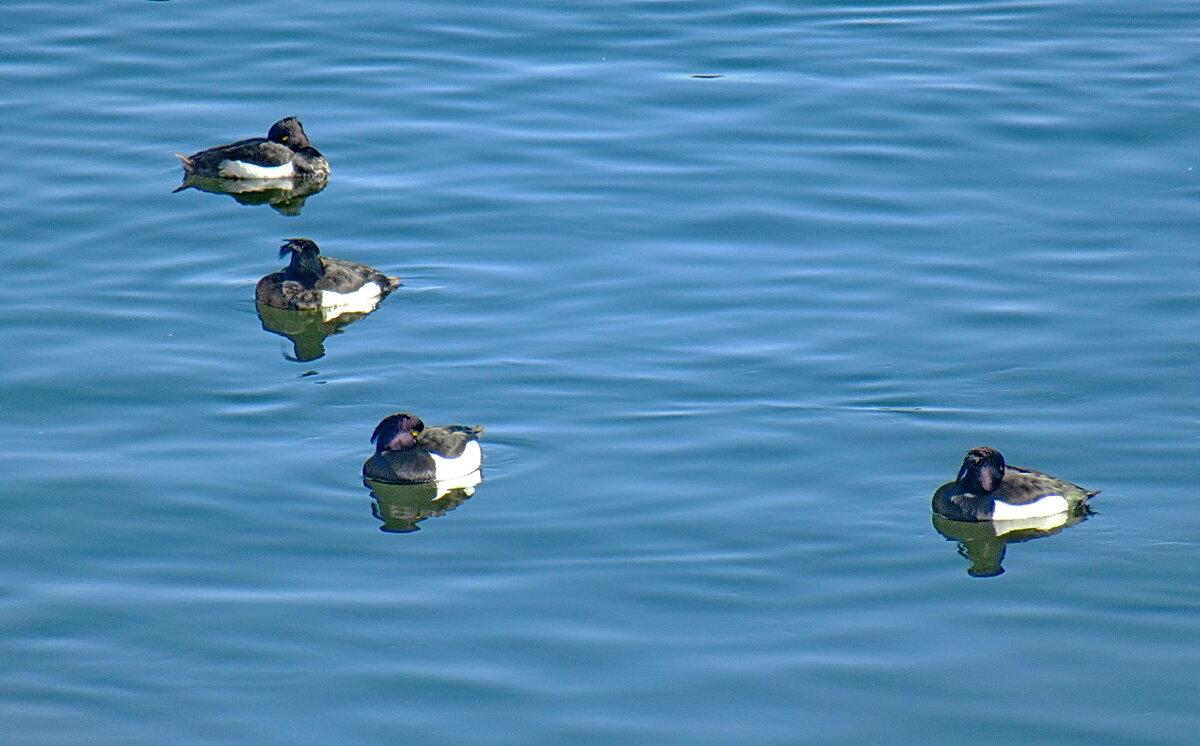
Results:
312 281
407 452
285 152
987 489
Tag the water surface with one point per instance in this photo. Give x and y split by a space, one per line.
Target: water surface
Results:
727 335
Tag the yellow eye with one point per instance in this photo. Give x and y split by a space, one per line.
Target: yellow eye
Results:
283 139
416 433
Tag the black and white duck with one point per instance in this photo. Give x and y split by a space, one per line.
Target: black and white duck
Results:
407 452
285 152
987 489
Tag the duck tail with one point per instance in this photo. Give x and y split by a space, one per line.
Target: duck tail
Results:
393 282
187 161
1090 494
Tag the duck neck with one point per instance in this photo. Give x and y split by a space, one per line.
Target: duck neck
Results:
306 268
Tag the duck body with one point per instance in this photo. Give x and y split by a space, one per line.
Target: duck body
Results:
987 489
311 281
407 452
284 153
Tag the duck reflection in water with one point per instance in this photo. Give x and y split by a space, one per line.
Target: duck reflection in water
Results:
286 196
402 506
307 330
983 543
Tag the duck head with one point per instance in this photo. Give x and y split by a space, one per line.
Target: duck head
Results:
982 471
306 266
289 132
397 432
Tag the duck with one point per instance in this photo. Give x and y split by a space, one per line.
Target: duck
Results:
284 153
407 452
312 281
987 489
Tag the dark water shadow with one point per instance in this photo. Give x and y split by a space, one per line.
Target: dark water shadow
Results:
983 543
285 196
402 506
307 330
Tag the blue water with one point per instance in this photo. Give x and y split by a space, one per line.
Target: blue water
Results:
727 335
